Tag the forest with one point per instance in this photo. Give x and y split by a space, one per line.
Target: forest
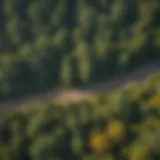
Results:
61 43
50 44
123 124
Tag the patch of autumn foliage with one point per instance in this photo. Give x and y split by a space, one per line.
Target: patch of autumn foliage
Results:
99 141
154 101
116 130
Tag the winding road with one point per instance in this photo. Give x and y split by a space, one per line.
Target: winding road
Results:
80 93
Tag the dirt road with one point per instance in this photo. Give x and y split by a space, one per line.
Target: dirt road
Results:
84 92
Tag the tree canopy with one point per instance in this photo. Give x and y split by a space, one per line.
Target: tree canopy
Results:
54 43
104 127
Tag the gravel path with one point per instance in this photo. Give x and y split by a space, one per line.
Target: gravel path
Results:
83 92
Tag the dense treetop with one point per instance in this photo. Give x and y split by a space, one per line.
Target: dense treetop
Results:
123 124
52 43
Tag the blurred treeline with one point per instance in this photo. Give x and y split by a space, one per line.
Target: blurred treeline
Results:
50 43
121 125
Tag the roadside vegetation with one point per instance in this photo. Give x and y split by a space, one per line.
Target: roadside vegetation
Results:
122 124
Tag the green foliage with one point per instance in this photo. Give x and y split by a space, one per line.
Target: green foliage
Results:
112 126
56 43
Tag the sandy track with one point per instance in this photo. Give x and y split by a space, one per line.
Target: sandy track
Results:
86 91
